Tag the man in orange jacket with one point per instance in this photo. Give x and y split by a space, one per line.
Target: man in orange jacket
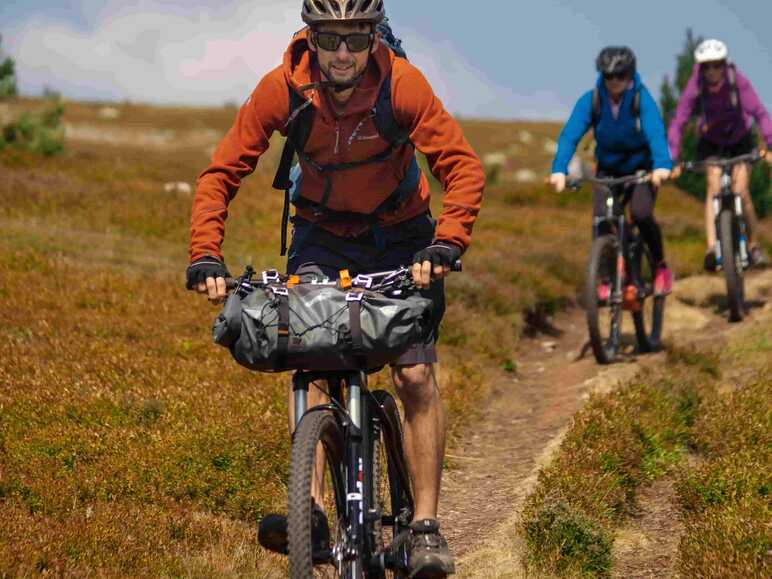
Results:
361 204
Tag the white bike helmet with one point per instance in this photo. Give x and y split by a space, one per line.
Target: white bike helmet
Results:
710 50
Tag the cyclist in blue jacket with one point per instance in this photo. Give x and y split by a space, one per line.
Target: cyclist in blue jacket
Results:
630 136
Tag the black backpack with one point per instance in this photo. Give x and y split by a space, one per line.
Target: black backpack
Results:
299 123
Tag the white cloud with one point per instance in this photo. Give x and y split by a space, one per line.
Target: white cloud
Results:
157 54
170 51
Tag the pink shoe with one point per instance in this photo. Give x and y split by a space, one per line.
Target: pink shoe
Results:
604 292
663 281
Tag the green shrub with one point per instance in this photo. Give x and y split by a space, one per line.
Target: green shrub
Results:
563 541
40 133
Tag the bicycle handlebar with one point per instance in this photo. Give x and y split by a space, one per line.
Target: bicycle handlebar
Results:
611 181
387 278
751 157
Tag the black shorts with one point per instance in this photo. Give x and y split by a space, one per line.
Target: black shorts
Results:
708 150
315 250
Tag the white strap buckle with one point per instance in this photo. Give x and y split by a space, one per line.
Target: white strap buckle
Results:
271 276
355 296
364 281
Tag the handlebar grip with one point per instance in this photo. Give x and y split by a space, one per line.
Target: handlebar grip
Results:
457 266
231 283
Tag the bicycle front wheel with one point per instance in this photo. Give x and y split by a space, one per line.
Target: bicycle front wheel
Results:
729 237
389 500
648 318
317 463
604 310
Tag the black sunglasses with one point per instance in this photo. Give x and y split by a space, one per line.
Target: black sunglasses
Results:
355 42
713 64
616 75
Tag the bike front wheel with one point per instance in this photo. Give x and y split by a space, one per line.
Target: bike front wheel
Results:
317 463
604 309
648 318
731 260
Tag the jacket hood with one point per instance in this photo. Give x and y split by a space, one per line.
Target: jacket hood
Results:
637 83
301 69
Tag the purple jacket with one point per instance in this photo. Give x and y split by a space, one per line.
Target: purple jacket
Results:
721 127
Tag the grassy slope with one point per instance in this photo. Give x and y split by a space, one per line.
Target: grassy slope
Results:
129 444
710 404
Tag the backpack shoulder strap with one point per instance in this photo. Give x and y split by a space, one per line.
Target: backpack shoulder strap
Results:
731 73
595 106
299 122
636 108
300 118
383 117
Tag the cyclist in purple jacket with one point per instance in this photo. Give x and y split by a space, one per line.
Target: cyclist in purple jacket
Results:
727 105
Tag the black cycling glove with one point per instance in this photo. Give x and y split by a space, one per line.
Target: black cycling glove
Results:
204 267
439 253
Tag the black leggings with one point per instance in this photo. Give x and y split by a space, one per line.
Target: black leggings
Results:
644 197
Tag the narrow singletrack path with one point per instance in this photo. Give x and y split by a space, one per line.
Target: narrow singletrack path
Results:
495 466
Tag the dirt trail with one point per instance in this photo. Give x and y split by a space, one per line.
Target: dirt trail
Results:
496 466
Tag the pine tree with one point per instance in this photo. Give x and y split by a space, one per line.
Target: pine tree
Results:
7 75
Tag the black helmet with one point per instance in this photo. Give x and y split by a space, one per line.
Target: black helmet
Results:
616 60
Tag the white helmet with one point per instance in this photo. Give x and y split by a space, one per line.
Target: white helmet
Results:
710 50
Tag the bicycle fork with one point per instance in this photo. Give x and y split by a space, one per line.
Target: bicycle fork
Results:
350 547
719 201
355 470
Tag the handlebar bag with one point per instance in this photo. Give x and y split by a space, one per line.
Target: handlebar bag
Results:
319 327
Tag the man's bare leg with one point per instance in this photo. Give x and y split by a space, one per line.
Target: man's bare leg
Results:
424 433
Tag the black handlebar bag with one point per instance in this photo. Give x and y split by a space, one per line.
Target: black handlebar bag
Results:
319 327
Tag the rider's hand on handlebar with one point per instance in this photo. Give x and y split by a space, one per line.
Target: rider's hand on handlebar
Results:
659 176
677 171
207 275
767 154
434 262
558 182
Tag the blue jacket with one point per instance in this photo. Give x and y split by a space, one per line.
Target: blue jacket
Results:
621 149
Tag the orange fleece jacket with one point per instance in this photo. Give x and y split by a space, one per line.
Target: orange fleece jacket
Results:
343 137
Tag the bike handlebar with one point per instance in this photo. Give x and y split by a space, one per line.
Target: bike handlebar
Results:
751 157
385 277
611 181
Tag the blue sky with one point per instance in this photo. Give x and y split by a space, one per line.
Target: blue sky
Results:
490 58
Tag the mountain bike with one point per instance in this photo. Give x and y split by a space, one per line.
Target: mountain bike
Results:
732 251
620 276
351 450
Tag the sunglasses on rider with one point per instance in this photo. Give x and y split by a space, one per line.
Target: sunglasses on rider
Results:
355 42
616 75
713 64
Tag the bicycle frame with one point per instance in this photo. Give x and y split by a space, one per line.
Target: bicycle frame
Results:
622 228
727 198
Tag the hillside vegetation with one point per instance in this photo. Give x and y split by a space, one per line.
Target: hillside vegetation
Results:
130 445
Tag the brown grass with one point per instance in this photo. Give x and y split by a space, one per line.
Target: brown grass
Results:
129 444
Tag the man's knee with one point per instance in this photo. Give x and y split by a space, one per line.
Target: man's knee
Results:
415 384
